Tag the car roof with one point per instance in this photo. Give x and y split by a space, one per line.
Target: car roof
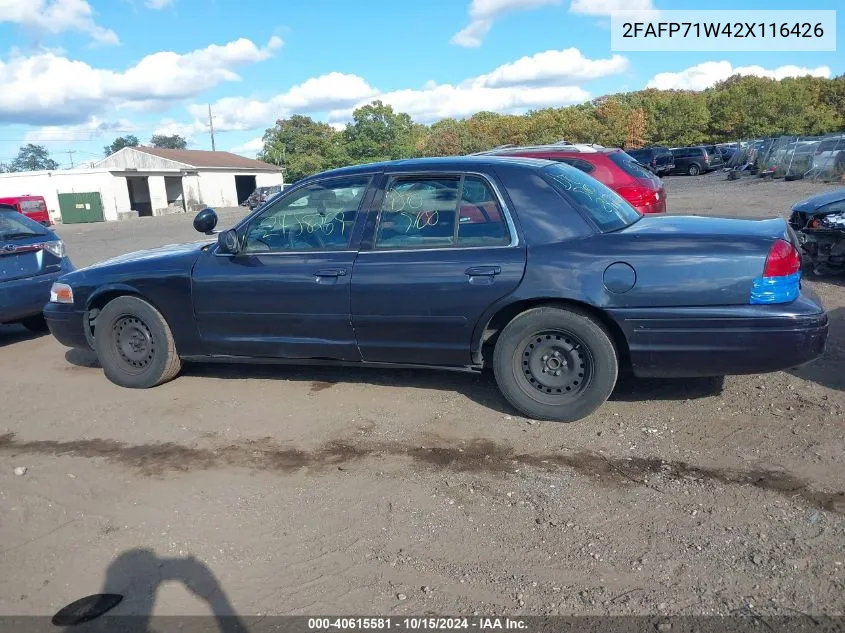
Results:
552 148
449 163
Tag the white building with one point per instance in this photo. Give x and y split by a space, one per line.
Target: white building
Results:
144 181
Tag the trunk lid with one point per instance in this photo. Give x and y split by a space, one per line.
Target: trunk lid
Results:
25 258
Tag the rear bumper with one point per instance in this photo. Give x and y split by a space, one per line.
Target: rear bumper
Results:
720 341
67 325
26 297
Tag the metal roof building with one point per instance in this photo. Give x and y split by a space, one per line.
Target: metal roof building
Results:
144 181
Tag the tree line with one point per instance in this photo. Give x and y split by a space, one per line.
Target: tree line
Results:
32 157
737 108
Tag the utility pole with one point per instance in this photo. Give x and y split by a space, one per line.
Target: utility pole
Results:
211 125
70 153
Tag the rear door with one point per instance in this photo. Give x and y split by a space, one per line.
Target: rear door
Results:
439 250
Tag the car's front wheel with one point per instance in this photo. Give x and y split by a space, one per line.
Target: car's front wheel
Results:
555 364
134 344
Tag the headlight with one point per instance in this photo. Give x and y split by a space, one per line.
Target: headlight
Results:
61 293
57 248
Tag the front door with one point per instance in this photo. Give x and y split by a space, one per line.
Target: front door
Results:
443 250
286 293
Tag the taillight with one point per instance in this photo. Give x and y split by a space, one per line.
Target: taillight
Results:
639 196
781 280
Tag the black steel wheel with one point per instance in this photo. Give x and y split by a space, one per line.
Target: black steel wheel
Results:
134 344
555 363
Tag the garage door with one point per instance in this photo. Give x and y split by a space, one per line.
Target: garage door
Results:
81 207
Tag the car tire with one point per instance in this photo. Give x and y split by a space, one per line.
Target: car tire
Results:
134 344
555 364
694 170
35 324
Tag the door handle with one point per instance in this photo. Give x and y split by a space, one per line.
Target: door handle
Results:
331 272
483 271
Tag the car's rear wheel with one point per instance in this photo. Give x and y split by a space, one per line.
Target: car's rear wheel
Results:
694 170
35 323
134 344
555 364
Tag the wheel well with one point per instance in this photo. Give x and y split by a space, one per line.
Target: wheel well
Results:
98 303
509 312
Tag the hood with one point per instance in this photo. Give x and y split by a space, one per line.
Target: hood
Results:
814 202
160 254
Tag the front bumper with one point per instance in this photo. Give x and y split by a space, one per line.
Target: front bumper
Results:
26 297
721 341
67 324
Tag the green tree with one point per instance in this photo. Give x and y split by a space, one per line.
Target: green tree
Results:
303 147
119 143
173 141
32 158
378 133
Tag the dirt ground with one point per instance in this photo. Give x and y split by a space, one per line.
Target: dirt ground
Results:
285 490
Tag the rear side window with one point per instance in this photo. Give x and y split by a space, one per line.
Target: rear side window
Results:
630 166
607 208
440 212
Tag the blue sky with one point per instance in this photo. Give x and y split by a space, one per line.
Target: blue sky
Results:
77 73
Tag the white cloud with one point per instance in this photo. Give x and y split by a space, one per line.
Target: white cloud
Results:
157 4
543 80
482 14
94 128
47 88
461 101
552 68
707 74
251 147
56 16
640 8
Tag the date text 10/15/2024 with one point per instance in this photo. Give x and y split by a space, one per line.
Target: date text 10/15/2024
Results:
417 624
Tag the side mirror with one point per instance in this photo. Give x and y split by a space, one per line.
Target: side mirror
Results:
205 221
227 242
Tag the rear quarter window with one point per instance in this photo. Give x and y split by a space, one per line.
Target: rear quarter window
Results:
607 209
630 166
577 163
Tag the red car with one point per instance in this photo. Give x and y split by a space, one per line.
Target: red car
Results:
33 207
611 167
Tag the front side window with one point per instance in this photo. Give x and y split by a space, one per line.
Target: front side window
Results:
440 212
317 217
607 208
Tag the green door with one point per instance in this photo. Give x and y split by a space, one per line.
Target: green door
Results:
80 207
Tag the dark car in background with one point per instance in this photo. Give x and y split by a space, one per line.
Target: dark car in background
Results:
695 160
529 267
31 259
261 195
658 159
611 167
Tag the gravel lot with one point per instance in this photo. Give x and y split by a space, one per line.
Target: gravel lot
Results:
352 491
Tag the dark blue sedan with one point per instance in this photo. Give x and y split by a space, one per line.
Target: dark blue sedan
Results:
31 259
525 266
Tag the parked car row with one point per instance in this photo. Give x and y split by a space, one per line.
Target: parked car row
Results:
509 261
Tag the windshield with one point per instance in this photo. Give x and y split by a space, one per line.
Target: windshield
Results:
13 225
606 207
